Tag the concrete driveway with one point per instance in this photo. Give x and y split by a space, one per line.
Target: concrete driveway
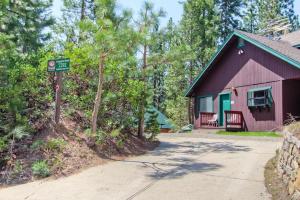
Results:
183 168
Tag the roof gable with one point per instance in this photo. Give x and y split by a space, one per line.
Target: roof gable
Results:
280 50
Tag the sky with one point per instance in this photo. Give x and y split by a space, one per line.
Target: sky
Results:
172 7
297 6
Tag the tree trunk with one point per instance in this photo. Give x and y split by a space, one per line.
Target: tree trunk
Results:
82 14
99 93
82 17
190 113
141 124
143 96
58 89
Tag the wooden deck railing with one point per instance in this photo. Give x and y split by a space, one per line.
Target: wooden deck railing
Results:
234 120
205 117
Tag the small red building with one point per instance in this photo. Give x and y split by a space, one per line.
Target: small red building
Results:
252 83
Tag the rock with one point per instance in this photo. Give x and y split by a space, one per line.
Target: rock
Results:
285 179
298 144
285 157
295 164
291 188
295 151
290 159
285 145
293 176
297 181
288 170
288 165
280 171
291 148
296 196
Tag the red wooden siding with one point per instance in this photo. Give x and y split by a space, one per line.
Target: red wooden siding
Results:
254 68
291 98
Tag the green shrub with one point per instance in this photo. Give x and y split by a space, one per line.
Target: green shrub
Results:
120 144
37 145
69 112
3 144
101 137
56 144
88 132
152 125
19 132
18 167
40 168
115 133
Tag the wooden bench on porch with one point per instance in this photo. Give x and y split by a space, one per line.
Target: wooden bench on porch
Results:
208 119
234 121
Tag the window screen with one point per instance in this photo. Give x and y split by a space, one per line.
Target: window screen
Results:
260 97
206 104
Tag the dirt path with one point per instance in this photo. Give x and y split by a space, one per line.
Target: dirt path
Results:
181 168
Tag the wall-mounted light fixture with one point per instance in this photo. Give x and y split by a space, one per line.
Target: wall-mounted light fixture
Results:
240 46
241 51
234 90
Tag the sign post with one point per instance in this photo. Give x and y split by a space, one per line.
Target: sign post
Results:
58 66
58 89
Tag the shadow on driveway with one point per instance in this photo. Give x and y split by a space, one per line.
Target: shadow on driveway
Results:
174 160
197 148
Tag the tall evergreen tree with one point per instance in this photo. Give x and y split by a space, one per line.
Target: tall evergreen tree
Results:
230 16
147 27
199 29
159 47
26 21
199 26
288 10
268 11
250 16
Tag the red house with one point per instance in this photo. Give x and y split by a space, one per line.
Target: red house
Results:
251 83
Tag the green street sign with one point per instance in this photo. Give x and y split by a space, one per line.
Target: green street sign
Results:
59 65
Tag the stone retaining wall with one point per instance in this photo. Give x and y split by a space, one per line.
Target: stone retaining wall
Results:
288 164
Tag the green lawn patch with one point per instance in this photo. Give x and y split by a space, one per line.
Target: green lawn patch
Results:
263 134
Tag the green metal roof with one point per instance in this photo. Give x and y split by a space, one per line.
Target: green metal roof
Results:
162 120
294 61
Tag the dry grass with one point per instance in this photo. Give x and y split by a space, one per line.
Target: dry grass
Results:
294 128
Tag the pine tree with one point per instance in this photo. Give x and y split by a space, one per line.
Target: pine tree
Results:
250 18
267 11
288 10
147 27
152 125
110 41
230 16
26 21
199 26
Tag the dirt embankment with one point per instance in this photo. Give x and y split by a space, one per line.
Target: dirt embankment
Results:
62 150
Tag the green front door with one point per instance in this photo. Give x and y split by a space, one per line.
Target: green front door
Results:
225 105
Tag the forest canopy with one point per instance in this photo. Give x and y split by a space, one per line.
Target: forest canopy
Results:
121 64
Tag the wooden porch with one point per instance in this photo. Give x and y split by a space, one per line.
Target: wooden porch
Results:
234 121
